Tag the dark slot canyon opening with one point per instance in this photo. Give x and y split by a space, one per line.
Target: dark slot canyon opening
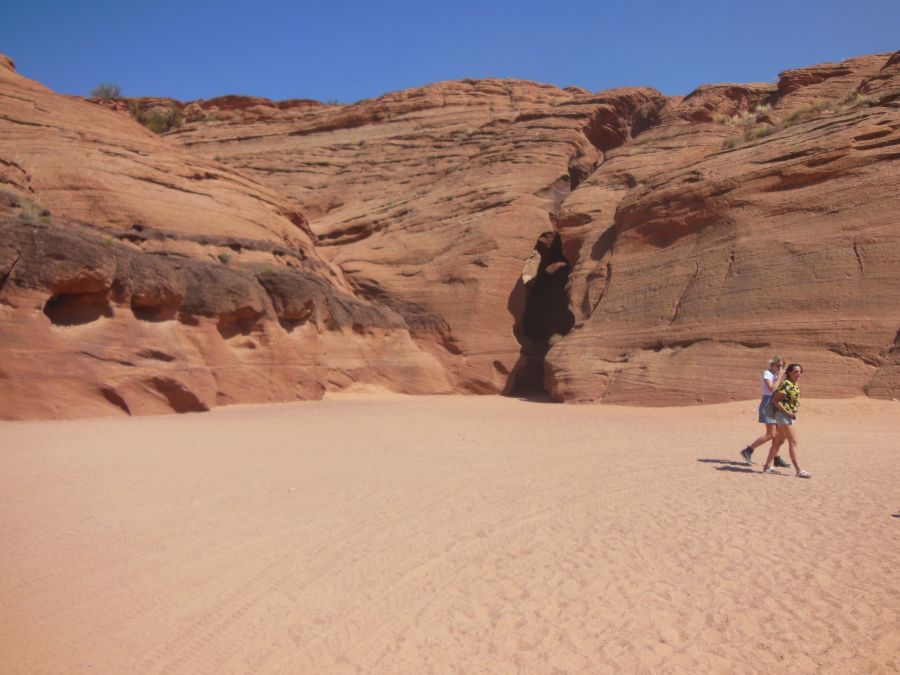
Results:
540 306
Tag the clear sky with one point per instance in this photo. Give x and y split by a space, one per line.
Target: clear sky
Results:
347 50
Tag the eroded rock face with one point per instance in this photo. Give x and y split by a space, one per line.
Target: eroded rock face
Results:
430 199
694 260
137 279
434 196
88 323
270 250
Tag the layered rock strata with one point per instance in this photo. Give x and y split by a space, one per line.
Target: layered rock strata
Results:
292 247
430 199
679 217
136 278
749 220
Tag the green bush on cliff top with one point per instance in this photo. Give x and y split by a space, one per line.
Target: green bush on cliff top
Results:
106 90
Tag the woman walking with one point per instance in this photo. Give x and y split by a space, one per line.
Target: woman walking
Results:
771 380
786 401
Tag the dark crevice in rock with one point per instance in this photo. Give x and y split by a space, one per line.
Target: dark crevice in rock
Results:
75 309
860 352
168 185
684 293
154 314
859 262
290 325
578 172
180 398
659 345
449 343
8 273
156 355
750 344
602 249
115 398
106 359
188 319
161 305
540 306
350 235
241 322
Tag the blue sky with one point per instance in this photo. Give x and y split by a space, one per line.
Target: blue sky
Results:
348 50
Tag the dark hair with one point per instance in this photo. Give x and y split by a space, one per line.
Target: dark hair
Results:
791 368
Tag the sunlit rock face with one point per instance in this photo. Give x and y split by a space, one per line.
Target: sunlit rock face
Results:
748 220
137 278
430 199
680 218
267 251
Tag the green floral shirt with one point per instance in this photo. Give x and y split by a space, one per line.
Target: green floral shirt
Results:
790 396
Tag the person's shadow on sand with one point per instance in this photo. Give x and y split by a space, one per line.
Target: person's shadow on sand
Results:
729 465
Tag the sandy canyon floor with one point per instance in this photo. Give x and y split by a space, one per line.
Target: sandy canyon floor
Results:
366 534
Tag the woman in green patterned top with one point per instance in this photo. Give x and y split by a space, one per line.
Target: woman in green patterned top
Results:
786 401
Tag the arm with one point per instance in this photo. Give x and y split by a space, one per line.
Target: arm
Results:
779 378
776 401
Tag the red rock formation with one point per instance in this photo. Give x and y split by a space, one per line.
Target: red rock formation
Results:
699 233
429 199
694 261
645 197
137 278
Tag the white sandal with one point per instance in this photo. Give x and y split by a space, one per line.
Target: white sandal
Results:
804 474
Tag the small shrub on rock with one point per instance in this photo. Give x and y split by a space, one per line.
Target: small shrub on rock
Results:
761 132
818 106
161 122
157 121
106 90
29 211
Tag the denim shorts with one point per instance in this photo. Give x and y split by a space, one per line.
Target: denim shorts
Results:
782 419
763 419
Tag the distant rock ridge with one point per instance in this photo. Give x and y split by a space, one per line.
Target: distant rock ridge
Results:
299 247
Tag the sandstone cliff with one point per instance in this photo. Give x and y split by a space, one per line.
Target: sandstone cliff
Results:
430 199
263 251
137 278
700 233
749 220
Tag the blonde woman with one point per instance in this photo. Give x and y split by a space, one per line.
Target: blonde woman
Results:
787 401
771 380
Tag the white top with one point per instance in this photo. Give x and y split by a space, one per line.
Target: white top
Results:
768 382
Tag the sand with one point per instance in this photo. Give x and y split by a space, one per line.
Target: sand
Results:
449 534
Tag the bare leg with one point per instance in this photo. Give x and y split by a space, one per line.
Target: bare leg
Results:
791 436
776 446
765 438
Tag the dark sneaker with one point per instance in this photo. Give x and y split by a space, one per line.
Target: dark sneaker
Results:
781 464
747 453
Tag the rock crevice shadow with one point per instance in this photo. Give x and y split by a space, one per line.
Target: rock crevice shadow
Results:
539 303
